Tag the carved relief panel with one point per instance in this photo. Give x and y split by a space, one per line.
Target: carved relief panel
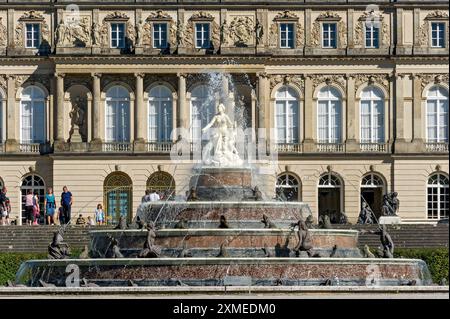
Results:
77 33
240 33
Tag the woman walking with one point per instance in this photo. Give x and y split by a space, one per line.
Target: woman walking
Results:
50 206
99 215
36 209
29 207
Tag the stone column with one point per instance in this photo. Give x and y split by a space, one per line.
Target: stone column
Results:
418 137
11 143
96 132
59 108
182 108
400 143
351 144
140 109
309 120
263 99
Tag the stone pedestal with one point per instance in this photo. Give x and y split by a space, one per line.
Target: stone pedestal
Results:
139 50
96 50
59 146
11 146
95 145
76 137
389 220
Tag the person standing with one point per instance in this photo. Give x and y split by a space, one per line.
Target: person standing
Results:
50 206
99 215
3 207
66 204
36 209
29 207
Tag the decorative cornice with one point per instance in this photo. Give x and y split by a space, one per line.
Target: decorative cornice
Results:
297 80
329 79
116 16
437 15
329 16
31 16
435 78
380 79
201 15
159 15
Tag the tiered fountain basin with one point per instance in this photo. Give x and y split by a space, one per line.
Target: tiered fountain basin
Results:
239 242
206 214
216 271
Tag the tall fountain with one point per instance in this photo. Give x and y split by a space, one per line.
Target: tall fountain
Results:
225 228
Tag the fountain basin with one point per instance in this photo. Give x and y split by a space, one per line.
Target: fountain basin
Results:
239 242
214 271
166 213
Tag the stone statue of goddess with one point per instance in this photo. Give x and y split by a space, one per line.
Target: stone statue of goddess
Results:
221 148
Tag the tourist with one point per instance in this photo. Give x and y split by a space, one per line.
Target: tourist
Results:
154 197
29 207
8 211
50 206
146 197
60 216
66 203
36 209
99 215
80 220
3 206
90 221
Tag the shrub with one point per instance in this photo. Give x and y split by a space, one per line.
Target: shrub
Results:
10 263
436 259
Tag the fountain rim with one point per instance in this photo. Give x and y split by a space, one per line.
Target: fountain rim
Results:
227 231
174 261
246 204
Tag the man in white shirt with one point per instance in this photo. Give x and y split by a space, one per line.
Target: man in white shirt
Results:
154 196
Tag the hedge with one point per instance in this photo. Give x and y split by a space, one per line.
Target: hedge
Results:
436 259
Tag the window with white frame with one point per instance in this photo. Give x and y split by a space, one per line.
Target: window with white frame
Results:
202 36
438 34
372 35
287 35
287 115
118 35
117 115
437 115
437 196
202 109
160 35
289 185
32 115
372 115
329 116
329 36
33 35
160 106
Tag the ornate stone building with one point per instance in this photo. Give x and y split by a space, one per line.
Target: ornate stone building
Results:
356 93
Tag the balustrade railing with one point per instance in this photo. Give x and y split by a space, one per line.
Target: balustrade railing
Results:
436 147
159 147
289 148
117 147
374 147
330 147
32 148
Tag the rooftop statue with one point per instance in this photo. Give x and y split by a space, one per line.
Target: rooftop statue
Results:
221 149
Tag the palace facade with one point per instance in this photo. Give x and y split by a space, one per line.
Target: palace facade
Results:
356 93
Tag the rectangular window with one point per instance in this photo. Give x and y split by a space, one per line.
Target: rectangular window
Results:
33 35
372 36
160 35
329 35
287 35
438 34
118 35
202 36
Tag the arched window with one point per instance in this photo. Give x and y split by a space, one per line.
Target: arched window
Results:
372 115
287 115
36 184
160 106
372 190
329 115
117 115
202 109
32 115
330 197
437 115
163 183
438 196
118 196
289 185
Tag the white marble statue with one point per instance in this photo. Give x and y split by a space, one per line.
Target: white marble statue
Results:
221 149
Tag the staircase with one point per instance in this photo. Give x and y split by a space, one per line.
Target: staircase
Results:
37 238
